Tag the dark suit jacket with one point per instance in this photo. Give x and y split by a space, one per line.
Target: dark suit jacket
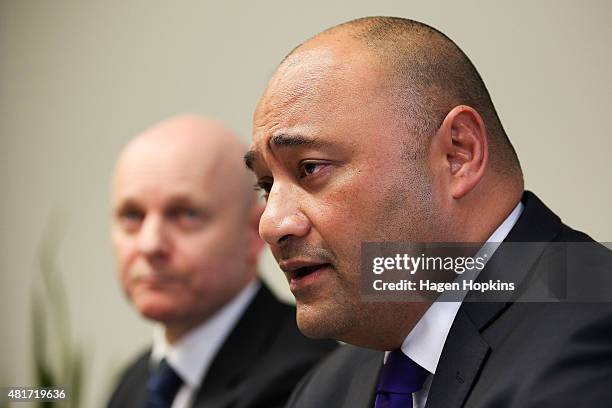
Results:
260 362
502 354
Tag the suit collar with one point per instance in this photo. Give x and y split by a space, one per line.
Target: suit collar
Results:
537 225
463 354
234 358
191 356
363 382
426 340
465 350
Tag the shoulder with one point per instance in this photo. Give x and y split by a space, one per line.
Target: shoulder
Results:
349 372
537 348
268 354
550 350
131 381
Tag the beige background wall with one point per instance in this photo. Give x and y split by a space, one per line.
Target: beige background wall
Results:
79 78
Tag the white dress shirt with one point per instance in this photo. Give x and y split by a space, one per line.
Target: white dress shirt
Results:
426 340
192 355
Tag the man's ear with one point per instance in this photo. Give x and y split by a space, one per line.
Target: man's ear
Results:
464 143
255 242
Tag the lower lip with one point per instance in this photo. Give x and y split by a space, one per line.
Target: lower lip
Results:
153 283
296 284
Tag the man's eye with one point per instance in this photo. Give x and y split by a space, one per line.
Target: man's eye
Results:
131 219
189 213
131 215
184 213
263 188
310 168
188 218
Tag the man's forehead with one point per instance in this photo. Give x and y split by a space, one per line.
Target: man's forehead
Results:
297 77
301 84
314 63
167 169
307 63
165 189
173 156
322 78
163 176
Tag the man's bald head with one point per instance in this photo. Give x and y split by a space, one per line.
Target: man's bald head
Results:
377 130
185 221
427 75
201 144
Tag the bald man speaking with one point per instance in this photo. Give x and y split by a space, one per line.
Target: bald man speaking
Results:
380 130
184 232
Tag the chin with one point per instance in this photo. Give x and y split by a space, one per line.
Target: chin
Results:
159 310
319 324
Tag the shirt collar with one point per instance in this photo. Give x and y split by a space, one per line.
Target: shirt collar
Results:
426 340
192 355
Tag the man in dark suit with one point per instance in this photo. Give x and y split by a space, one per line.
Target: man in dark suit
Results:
185 235
381 130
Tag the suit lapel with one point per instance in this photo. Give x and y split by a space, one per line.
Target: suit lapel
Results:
233 360
466 350
362 389
132 390
537 226
459 365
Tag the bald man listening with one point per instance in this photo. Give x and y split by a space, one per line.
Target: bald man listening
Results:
184 232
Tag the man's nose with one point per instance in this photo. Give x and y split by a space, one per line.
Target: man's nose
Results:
152 239
282 217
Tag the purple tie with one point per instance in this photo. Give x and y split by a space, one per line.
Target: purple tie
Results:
399 378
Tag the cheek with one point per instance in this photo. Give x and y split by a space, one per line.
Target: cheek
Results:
355 212
125 255
222 243
347 213
208 263
194 253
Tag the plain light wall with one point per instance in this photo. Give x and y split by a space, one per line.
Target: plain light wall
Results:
80 78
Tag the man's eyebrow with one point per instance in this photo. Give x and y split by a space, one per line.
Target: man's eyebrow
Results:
282 140
183 200
285 140
125 204
249 158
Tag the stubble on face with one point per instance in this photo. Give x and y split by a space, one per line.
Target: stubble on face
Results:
385 195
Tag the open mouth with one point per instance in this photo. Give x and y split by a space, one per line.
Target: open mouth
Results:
307 270
304 271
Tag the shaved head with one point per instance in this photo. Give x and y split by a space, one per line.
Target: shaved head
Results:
201 144
426 75
376 130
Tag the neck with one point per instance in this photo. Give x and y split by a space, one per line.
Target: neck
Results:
486 211
386 324
175 331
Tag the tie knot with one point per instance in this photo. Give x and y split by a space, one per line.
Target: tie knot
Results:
163 385
401 375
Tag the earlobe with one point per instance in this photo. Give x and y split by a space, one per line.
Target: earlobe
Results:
467 149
